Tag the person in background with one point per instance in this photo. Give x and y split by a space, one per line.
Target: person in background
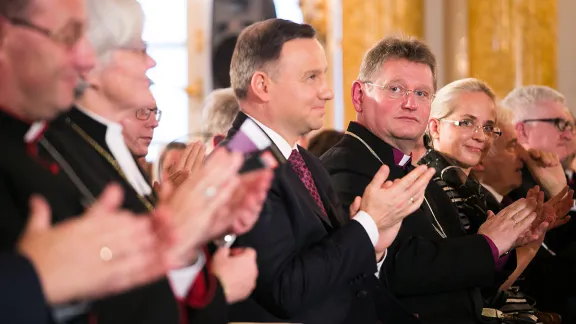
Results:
321 142
218 113
169 158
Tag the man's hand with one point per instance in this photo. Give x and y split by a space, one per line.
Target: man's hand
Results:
561 204
102 252
545 168
194 205
389 203
513 221
237 271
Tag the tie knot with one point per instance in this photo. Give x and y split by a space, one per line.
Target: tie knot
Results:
296 158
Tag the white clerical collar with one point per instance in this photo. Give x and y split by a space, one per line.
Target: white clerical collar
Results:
569 173
494 193
115 142
278 140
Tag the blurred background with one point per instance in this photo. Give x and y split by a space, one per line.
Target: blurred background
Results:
506 43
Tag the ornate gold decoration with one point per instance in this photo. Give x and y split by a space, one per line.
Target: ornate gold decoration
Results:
512 42
196 89
366 22
315 13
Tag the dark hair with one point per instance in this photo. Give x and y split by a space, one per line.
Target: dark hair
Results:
14 8
323 141
395 48
259 45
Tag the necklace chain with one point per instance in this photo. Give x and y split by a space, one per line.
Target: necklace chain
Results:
146 201
436 226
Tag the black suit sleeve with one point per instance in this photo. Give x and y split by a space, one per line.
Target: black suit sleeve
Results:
21 296
417 265
294 276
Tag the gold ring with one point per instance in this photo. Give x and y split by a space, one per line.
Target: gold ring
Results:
105 254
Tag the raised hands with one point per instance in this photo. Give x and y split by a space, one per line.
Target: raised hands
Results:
508 227
237 271
190 162
389 203
545 168
105 251
560 204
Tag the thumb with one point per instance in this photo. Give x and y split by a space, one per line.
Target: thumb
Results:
156 186
110 200
166 190
355 207
381 176
40 215
490 214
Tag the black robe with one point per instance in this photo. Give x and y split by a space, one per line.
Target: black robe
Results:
439 279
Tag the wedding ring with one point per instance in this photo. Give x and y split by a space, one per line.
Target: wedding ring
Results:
105 254
210 192
412 199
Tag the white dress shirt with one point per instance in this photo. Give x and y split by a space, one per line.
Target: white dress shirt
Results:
180 279
494 193
361 217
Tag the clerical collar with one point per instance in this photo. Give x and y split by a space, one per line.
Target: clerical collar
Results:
276 138
401 159
35 131
16 126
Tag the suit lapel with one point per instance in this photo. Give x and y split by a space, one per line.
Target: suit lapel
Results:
291 175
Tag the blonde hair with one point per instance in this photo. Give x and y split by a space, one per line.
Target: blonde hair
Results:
444 103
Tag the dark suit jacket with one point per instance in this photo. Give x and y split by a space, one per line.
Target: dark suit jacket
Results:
312 268
21 297
439 279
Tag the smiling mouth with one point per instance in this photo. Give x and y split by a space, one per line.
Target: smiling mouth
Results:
408 118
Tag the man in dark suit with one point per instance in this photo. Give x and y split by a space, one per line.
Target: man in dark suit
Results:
315 264
433 267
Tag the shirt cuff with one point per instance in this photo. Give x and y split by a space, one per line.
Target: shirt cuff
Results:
379 264
181 279
500 262
369 225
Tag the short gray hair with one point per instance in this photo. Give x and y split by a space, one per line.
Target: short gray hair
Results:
523 101
503 119
113 24
220 109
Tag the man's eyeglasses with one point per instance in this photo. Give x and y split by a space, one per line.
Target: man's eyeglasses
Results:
67 36
397 92
561 124
468 125
144 113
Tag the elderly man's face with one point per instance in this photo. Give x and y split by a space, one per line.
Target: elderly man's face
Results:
546 136
123 77
138 132
502 167
44 53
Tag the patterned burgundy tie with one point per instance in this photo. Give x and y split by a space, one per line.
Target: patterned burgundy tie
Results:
305 175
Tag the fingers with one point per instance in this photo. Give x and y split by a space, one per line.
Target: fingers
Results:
126 234
416 174
40 215
355 207
380 177
110 200
524 223
181 165
196 157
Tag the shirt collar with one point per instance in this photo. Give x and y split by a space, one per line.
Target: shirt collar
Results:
494 193
278 140
104 121
401 159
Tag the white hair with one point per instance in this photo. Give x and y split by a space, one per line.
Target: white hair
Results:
113 24
523 101
503 121
219 111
